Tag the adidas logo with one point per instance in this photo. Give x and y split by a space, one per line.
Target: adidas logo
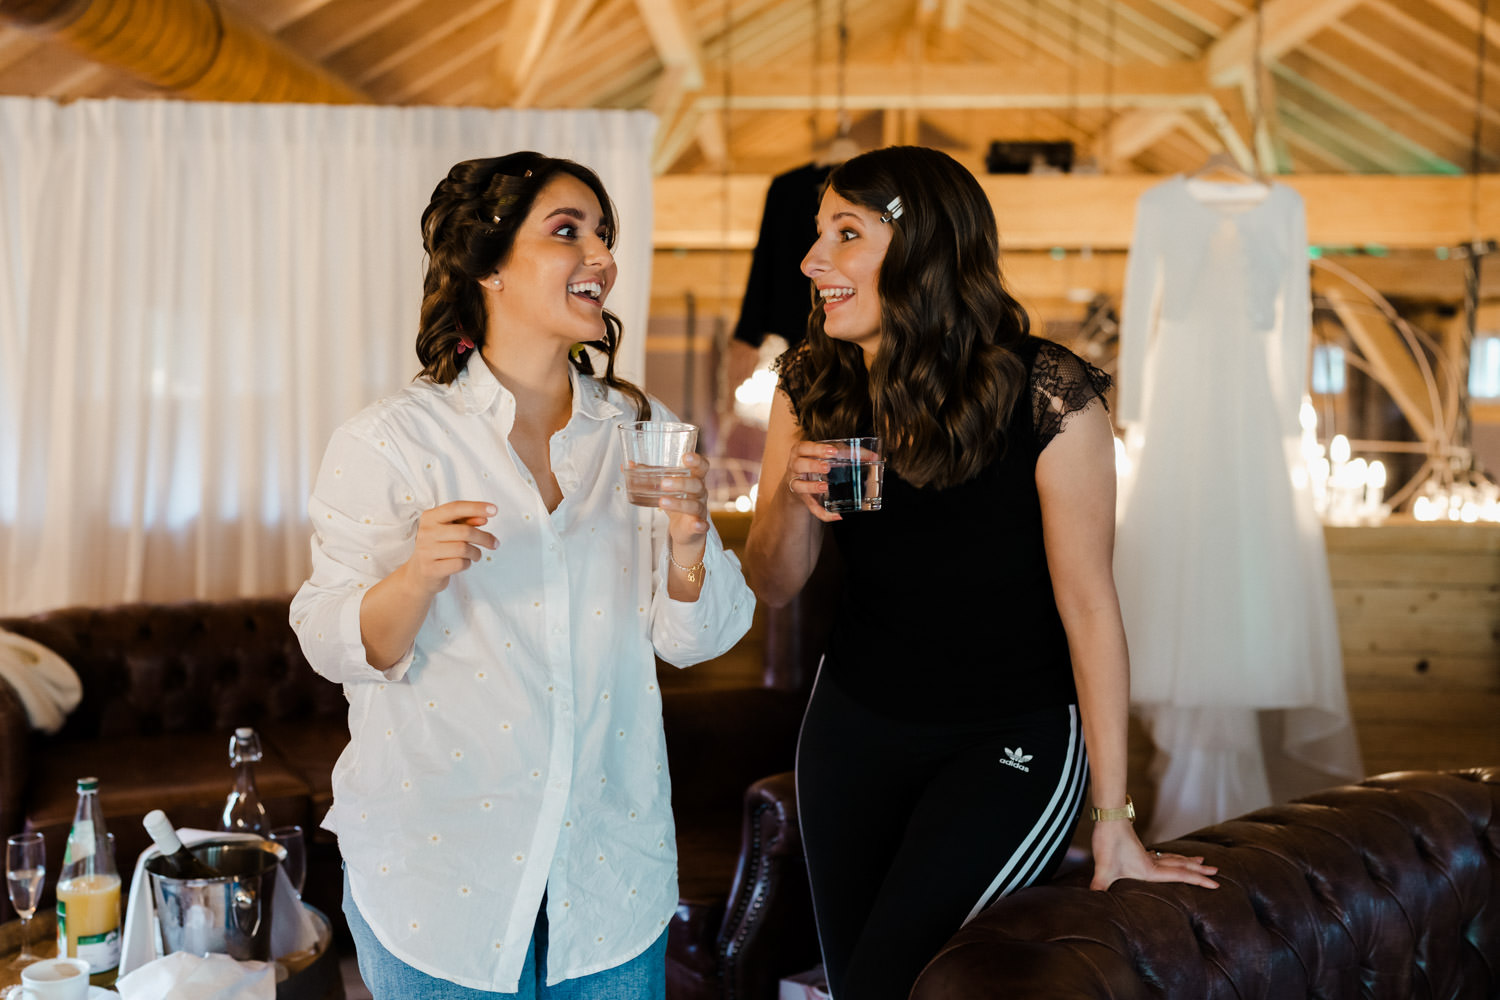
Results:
1017 759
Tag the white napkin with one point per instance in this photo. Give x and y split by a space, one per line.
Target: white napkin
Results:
48 687
181 976
292 927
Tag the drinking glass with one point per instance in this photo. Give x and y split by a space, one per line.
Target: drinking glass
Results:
654 450
291 838
25 871
856 473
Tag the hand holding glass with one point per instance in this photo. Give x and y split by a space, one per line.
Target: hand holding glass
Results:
25 871
856 473
655 450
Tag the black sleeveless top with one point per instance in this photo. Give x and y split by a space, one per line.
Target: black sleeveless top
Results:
947 612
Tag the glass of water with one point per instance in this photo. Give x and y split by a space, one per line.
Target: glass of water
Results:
654 450
856 474
25 871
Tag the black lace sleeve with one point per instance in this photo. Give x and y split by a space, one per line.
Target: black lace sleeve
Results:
795 368
1062 384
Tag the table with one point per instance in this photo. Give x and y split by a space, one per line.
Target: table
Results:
311 975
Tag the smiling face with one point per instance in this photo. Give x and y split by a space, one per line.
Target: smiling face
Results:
559 270
844 263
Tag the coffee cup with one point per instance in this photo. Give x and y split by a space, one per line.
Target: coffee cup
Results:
56 979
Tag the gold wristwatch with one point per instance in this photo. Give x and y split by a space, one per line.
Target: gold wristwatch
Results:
1127 811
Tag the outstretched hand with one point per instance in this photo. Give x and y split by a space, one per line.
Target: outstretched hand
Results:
1118 854
448 542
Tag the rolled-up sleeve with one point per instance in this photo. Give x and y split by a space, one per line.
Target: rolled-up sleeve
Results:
364 512
689 632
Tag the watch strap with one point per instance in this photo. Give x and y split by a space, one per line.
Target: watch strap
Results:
1127 811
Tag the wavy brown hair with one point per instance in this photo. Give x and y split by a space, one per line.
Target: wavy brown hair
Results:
468 230
946 376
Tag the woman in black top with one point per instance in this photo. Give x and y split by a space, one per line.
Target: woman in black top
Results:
978 648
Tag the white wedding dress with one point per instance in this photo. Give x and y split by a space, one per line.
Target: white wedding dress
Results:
1219 555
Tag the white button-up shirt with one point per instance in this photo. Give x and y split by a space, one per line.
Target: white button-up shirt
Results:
517 748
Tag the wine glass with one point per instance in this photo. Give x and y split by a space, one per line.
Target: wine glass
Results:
291 838
25 871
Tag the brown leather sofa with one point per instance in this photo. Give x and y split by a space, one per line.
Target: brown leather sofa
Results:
166 684
1384 890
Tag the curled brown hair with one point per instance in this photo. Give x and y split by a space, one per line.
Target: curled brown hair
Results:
468 230
946 377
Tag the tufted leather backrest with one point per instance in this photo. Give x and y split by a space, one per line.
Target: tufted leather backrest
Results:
1384 890
192 666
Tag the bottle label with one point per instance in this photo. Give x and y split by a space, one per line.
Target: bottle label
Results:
101 951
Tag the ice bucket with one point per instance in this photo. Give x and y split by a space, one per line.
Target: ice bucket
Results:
228 915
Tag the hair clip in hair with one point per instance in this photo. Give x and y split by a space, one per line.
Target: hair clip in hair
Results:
893 209
465 344
497 220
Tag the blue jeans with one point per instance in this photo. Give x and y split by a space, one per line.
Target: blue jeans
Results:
388 978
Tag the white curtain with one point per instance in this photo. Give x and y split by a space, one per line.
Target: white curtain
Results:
193 296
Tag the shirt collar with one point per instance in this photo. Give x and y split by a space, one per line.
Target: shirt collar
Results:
480 390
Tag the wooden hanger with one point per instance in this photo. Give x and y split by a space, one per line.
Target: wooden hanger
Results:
1222 163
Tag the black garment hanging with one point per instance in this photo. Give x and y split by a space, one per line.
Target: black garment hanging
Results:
777 299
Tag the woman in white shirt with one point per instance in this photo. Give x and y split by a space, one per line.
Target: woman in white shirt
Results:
491 603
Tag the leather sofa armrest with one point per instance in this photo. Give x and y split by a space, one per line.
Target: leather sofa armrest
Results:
768 930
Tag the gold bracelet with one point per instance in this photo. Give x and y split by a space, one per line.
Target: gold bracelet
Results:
1127 811
694 573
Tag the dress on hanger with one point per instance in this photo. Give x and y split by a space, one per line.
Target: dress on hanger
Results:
778 296
1219 555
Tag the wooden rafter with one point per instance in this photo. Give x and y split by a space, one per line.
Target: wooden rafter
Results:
878 86
1284 25
1413 157
1132 132
952 16
527 26
322 32
1099 211
674 38
384 51
568 23
1440 129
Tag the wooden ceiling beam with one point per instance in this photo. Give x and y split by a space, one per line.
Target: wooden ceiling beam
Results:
384 51
1441 129
459 46
1132 132
290 12
527 27
951 17
568 24
1068 40
188 47
1285 24
946 85
1413 157
335 26
1099 211
673 37
1468 16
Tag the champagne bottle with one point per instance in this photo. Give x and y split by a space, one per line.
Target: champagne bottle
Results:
88 891
243 810
177 860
